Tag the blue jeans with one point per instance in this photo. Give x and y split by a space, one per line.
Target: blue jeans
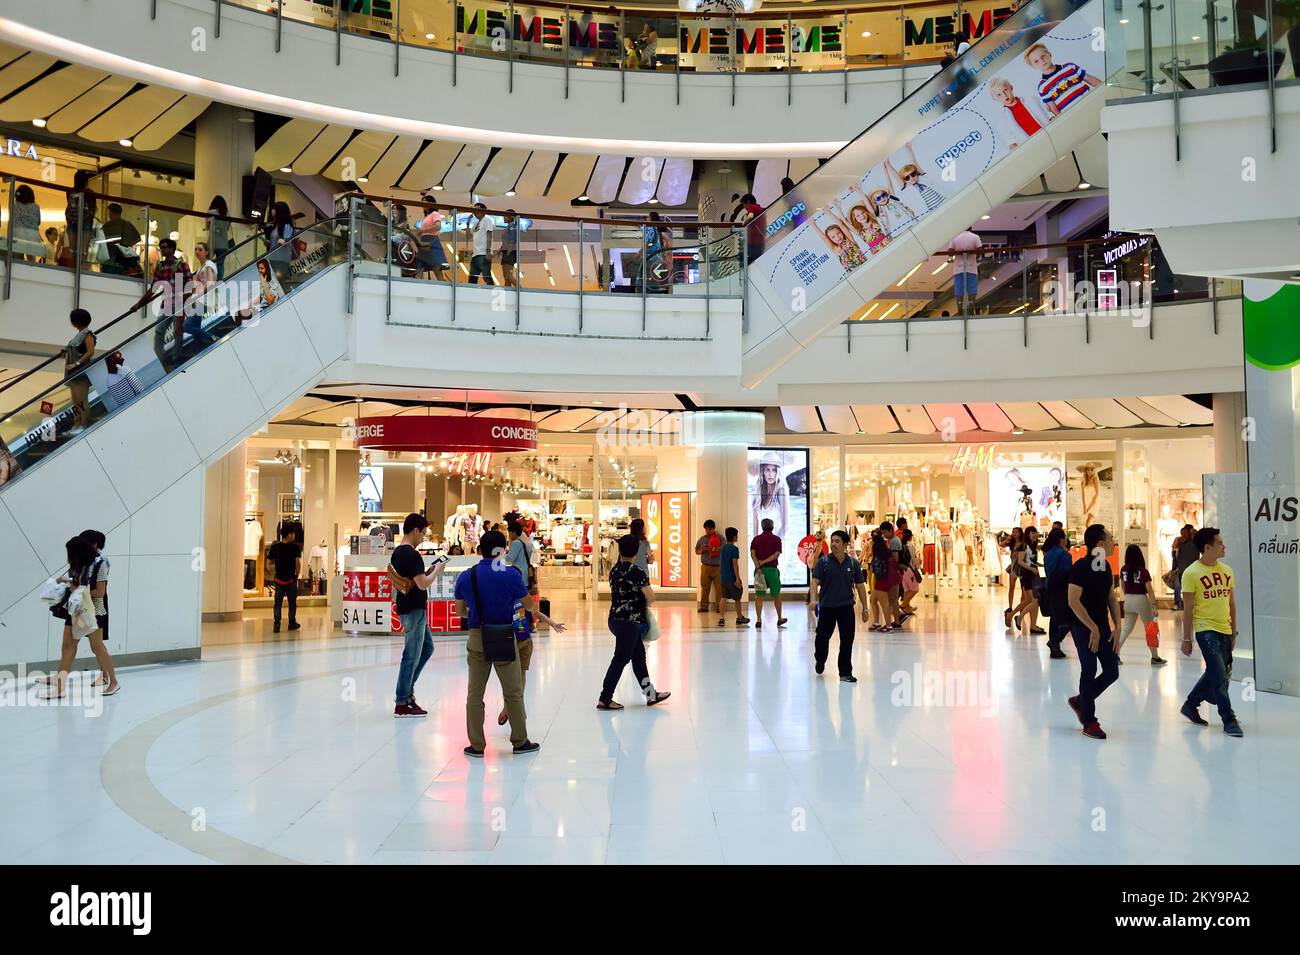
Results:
1091 685
194 328
1178 591
415 654
966 284
1212 687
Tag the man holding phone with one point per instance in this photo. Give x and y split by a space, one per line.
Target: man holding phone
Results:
1090 597
413 610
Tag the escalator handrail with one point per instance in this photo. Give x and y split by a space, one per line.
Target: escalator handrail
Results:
153 325
149 296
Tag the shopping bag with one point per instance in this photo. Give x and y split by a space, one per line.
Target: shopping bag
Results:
652 627
1153 634
760 582
53 592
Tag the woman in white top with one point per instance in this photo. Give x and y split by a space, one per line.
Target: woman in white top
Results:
203 302
769 497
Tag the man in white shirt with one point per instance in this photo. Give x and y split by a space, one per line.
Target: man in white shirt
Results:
966 267
480 263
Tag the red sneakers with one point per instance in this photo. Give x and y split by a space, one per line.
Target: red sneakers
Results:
409 709
1078 714
1094 731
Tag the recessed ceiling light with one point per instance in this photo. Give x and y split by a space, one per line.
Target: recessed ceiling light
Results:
654 201
510 192
124 142
1017 430
1085 185
986 217
866 33
1125 20
437 188
286 169
429 36
1196 38
38 123
362 179
583 198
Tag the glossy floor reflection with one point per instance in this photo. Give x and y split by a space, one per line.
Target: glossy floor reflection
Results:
272 751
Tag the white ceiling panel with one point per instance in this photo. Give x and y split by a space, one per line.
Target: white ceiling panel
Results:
50 93
675 181
839 419
1063 175
536 174
161 131
605 178
571 178
1147 413
1065 413
287 142
89 105
130 115
1092 157
1183 408
464 172
502 172
430 166
875 419
767 180
321 150
9 53
23 70
913 419
991 418
358 157
1107 412
801 419
642 180
951 417
1029 415
385 173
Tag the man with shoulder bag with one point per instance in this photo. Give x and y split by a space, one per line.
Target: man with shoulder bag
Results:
485 598
410 594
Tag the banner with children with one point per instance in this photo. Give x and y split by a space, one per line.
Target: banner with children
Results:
1032 68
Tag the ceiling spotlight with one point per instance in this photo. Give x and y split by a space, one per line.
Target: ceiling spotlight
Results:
362 179
866 33
1017 430
1085 185
437 188
986 218
654 200
510 192
286 169
38 123
429 36
583 198
1125 20
124 142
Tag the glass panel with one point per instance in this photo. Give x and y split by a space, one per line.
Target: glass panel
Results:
648 42
189 314
874 38
826 490
427 23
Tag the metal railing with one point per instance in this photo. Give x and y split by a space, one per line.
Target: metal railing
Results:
836 38
1119 276
648 258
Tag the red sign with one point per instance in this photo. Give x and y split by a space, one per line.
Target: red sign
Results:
47 407
674 533
808 549
650 514
444 433
369 607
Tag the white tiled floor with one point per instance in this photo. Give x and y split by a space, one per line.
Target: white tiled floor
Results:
267 751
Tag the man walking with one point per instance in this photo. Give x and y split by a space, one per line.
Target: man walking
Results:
1210 612
407 570
485 596
835 578
765 552
480 261
283 560
729 575
709 549
1092 604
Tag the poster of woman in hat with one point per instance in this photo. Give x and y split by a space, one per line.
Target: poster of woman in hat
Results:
778 490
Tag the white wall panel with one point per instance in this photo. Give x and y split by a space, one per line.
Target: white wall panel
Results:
20 568
25 629
214 399
169 523
143 452
277 357
162 604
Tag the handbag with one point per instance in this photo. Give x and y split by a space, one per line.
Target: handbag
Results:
53 592
652 632
498 638
1153 634
1170 579
402 584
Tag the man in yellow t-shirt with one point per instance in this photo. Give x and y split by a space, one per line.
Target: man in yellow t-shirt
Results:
1210 613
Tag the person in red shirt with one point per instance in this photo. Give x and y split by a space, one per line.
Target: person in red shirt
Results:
173 276
765 551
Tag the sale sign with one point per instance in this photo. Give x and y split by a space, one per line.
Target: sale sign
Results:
675 508
650 504
369 603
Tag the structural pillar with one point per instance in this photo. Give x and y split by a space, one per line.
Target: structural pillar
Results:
224 150
1229 449
223 537
720 441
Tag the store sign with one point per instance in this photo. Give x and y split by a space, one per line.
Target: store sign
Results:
369 603
444 433
357 14
543 28
676 511
976 22
973 458
723 44
650 514
19 150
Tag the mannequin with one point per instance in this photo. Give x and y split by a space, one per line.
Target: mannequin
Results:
471 528
943 528
1167 530
1089 492
452 530
964 545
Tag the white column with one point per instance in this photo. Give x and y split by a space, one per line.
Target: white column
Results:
721 442
223 537
224 148
1229 449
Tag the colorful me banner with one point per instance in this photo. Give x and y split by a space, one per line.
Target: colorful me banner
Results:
1029 71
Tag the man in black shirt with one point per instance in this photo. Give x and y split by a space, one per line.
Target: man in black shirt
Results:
835 577
413 611
1092 606
282 560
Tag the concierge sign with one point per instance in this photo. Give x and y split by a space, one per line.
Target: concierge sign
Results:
444 433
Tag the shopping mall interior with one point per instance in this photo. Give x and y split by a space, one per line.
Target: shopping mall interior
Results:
1020 278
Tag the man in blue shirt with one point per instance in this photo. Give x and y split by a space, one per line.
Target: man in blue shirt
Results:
730 578
835 579
498 585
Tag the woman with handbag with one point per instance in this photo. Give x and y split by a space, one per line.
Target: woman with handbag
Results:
630 596
1139 601
1027 564
485 599
79 611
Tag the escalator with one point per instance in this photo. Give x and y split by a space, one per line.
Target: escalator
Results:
967 140
118 434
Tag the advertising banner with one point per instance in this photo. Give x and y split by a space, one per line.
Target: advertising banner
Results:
778 490
878 187
675 549
720 45
368 603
